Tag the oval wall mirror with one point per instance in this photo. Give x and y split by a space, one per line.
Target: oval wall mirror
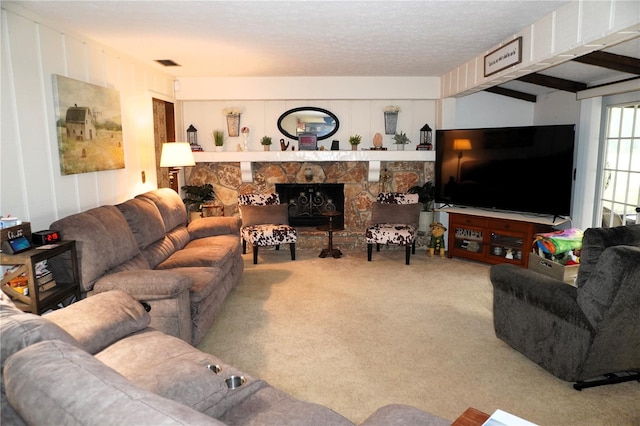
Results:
296 121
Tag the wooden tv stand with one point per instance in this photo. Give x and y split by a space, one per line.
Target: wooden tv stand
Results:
494 236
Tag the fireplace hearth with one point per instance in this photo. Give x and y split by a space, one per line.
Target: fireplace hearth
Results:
307 202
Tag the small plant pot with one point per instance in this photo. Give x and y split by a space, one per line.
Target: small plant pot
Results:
219 148
400 146
354 147
267 147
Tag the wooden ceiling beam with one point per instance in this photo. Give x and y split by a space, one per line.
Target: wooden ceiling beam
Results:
512 93
611 61
553 82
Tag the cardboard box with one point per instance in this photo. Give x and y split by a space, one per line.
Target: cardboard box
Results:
568 274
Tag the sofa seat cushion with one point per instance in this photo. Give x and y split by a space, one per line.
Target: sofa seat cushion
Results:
102 319
168 367
270 406
67 386
231 242
198 256
204 280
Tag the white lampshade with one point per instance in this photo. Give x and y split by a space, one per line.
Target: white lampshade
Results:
176 154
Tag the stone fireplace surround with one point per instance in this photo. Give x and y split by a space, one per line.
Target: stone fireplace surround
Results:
359 192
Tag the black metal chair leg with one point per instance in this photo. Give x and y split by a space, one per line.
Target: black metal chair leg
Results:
377 247
292 247
244 246
277 246
369 251
255 255
407 254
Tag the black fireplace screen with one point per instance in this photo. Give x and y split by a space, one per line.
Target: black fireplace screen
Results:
308 201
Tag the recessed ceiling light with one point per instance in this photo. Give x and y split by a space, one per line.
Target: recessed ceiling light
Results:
167 62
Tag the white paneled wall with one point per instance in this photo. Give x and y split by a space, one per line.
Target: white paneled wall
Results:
577 28
32 187
363 117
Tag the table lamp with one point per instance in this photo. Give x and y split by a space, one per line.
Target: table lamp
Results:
175 155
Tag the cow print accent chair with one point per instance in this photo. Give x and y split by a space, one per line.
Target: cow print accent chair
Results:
265 222
394 220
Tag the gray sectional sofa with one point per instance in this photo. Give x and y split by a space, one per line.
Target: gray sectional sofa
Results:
145 247
110 367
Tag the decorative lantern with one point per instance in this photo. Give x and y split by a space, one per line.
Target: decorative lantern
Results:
425 137
192 135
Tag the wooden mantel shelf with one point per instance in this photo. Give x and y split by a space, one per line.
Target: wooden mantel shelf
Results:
374 158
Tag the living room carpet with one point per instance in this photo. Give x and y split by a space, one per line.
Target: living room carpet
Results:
356 335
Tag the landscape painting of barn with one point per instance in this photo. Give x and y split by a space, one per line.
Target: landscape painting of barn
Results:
89 126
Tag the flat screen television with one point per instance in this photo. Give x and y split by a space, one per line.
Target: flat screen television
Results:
522 169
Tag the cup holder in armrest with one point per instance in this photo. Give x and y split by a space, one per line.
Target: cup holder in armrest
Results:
215 368
234 382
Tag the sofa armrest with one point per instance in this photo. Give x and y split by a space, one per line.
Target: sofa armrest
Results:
166 292
399 414
56 383
100 320
145 284
212 226
613 285
554 296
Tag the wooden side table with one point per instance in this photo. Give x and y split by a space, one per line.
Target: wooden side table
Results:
471 417
37 301
330 250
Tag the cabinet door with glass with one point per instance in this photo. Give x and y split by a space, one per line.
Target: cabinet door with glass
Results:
467 237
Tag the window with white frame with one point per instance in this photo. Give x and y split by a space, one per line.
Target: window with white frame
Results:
621 166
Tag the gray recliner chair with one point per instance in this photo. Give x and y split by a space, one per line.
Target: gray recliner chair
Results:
589 334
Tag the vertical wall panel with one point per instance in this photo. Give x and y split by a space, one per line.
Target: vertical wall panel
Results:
32 186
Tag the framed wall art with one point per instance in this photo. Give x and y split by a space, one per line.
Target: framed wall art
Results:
503 57
88 125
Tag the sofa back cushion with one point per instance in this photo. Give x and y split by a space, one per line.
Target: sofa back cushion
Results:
144 219
597 240
170 205
103 241
55 383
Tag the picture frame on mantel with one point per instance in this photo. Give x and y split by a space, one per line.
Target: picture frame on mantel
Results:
503 57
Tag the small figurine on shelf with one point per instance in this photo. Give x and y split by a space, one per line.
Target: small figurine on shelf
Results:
437 239
509 254
283 146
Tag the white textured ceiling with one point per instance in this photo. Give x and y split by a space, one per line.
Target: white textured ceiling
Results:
296 38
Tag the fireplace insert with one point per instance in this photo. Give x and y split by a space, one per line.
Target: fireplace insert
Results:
307 201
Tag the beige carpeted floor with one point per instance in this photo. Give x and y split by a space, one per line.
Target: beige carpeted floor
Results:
356 335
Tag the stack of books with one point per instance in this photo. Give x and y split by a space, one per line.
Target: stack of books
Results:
44 277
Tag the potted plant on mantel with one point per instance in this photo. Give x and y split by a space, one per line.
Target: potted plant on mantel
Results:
218 139
401 140
426 195
355 141
266 142
195 197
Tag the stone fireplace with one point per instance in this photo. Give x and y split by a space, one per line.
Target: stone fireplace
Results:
307 202
358 192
